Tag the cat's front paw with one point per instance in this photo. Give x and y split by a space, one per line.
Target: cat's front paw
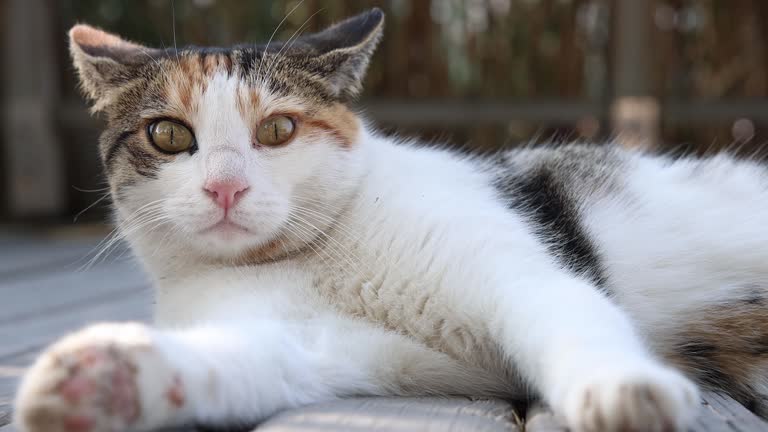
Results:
649 398
108 377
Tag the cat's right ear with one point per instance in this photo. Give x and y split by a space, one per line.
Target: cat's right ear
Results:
104 62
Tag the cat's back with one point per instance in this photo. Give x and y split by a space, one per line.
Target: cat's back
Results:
636 222
583 171
579 170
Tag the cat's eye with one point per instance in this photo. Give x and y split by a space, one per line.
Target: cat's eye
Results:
171 137
275 130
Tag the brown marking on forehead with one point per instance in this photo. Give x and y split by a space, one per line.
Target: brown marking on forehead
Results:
209 63
183 95
194 72
241 103
336 120
254 98
189 76
226 61
248 101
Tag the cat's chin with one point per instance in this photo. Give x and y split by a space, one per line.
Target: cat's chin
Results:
227 240
226 230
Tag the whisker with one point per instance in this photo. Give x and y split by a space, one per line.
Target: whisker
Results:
291 228
173 26
325 204
266 48
146 53
336 246
340 227
117 227
102 198
104 189
289 43
121 234
353 233
118 233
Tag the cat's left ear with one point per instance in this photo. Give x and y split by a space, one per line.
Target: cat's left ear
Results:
345 51
104 62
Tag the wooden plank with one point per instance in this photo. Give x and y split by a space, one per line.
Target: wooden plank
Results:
10 373
23 342
22 297
398 414
392 414
720 413
5 418
22 258
26 254
45 296
34 334
118 291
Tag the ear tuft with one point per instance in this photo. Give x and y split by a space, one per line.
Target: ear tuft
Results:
345 51
353 32
101 60
87 37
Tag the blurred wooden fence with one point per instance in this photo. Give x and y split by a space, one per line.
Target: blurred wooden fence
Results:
639 70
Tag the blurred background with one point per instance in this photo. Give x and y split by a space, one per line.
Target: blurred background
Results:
679 76
684 76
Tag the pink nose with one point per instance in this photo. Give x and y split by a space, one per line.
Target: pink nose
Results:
226 193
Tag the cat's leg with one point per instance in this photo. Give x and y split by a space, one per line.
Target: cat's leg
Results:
116 377
583 354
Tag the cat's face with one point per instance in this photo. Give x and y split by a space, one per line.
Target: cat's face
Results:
218 149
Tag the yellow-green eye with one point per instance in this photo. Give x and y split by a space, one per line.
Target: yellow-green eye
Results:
275 130
170 136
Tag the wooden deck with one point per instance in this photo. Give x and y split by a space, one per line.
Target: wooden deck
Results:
46 294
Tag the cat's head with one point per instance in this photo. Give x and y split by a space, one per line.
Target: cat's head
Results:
220 150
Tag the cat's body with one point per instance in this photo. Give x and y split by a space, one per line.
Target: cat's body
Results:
357 265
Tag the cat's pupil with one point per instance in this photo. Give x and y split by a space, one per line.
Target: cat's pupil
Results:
276 130
171 137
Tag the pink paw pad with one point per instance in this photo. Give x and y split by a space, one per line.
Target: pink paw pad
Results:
78 423
175 393
98 379
75 388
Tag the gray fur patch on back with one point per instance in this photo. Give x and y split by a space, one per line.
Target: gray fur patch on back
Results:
589 170
550 187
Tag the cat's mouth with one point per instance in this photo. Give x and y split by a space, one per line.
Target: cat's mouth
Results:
225 227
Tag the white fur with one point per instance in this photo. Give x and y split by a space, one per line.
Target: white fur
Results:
426 283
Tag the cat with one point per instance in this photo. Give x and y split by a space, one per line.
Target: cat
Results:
299 256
